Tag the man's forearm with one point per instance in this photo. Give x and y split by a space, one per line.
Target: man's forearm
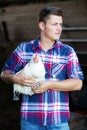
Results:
67 85
7 77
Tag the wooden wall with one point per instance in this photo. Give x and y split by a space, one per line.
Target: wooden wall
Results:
22 24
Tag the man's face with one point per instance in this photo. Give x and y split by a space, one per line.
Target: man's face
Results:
53 27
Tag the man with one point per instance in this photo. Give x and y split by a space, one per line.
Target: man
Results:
48 108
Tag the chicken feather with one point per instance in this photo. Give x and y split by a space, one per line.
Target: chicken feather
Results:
34 68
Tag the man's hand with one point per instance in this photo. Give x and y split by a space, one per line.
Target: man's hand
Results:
22 79
41 87
19 78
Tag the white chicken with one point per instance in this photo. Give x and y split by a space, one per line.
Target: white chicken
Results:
34 68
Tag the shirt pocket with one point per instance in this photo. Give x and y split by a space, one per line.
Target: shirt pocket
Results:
58 70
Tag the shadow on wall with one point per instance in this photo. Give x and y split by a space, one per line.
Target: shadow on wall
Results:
9 109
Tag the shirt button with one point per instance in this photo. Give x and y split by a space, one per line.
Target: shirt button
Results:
54 76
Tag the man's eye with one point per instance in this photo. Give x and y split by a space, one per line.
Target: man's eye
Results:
54 24
61 24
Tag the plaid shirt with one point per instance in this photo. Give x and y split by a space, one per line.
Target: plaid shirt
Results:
60 63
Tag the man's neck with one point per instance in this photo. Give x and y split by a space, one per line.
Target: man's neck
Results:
46 44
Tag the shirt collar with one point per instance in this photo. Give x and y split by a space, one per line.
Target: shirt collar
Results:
56 45
36 44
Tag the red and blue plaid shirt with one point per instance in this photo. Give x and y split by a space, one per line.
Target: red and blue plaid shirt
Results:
61 62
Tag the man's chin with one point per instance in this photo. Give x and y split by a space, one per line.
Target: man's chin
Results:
57 38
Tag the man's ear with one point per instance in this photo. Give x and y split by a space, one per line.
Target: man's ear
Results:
42 25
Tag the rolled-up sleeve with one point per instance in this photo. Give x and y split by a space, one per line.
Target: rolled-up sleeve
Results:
74 69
